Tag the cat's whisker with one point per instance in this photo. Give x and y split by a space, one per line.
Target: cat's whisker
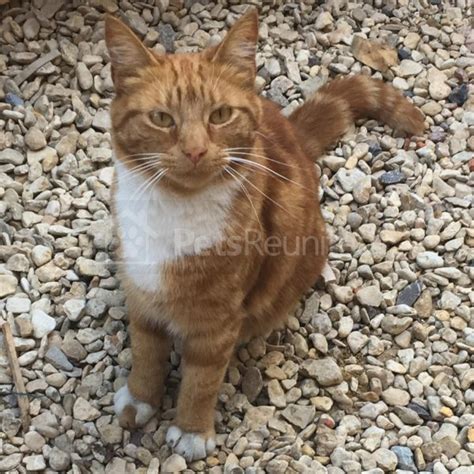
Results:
141 161
138 194
144 186
141 154
245 190
244 161
244 148
264 157
155 159
137 170
154 180
261 192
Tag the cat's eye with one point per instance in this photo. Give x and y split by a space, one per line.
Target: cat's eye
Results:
221 115
161 119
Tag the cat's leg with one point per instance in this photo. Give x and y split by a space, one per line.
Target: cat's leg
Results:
137 401
204 362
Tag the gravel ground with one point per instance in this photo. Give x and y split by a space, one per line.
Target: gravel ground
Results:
374 372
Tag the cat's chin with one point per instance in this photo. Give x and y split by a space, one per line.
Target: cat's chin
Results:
193 183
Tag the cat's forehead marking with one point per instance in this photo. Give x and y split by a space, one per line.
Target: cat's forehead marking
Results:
189 82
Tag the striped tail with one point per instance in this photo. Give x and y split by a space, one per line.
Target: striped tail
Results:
326 116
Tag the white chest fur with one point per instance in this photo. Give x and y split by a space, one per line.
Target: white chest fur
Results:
156 227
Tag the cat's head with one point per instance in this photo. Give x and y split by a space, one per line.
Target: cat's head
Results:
175 117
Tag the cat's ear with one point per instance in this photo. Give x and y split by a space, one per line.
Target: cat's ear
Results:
127 53
239 46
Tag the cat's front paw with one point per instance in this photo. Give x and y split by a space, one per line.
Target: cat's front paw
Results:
191 446
132 412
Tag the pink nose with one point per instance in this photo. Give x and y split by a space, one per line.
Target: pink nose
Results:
195 154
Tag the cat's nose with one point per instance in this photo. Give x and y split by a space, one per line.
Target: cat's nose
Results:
195 154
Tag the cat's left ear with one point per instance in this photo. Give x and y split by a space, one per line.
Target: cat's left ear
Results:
239 46
127 53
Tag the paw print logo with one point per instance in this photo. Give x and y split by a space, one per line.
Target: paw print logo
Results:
136 235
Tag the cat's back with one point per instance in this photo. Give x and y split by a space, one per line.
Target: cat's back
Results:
279 135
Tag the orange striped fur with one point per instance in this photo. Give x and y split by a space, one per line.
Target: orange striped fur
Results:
194 118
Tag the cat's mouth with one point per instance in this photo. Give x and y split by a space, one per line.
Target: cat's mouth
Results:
197 177
182 176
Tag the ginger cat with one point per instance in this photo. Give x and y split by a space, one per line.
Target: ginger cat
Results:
216 210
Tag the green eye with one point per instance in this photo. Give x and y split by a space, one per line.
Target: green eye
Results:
161 119
221 115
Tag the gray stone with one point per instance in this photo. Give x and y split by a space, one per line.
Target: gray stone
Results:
395 397
31 28
392 237
84 76
17 305
428 260
35 139
367 232
8 463
350 179
276 394
357 341
273 67
410 294
276 466
111 434
385 459
395 325
56 357
59 460
175 463
323 20
439 90
442 189
43 324
101 120
326 372
449 300
34 463
34 441
252 383
405 458
299 415
84 411
8 284
11 156
167 36
409 68
41 255
18 263
89 267
319 342
369 296
74 308
450 447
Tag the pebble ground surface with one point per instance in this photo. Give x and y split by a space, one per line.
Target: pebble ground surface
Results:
374 372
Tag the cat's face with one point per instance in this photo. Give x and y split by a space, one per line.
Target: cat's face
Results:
177 118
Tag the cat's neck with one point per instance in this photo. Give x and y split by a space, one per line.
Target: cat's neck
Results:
133 186
156 227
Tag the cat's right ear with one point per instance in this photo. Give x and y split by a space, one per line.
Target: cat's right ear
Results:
127 53
239 46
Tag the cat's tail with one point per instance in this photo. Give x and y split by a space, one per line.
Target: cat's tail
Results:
323 118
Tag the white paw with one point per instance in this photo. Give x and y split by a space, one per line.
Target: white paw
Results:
191 446
143 411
